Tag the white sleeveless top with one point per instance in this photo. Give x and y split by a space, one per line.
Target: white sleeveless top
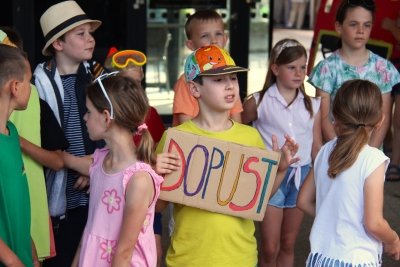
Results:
338 233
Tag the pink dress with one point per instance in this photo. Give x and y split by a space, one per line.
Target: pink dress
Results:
106 207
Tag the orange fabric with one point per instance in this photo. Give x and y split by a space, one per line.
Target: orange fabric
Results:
185 103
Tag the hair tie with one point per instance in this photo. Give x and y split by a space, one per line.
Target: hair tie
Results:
141 128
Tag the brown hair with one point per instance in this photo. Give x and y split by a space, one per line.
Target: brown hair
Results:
357 109
284 52
201 15
130 107
12 64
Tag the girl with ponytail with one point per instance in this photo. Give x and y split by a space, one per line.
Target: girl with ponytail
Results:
123 186
344 191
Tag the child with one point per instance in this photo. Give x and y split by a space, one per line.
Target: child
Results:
393 172
203 28
345 189
123 187
40 139
353 60
16 247
200 237
61 82
284 94
129 63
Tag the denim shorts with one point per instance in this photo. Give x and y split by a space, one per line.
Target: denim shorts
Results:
286 195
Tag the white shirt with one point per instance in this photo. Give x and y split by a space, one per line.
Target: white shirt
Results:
276 118
338 231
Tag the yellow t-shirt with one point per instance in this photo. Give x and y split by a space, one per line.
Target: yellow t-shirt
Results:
203 238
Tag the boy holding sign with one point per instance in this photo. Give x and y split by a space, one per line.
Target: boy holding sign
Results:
200 237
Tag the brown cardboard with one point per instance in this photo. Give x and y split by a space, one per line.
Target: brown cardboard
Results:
220 176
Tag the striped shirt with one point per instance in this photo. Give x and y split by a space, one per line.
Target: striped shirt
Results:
73 133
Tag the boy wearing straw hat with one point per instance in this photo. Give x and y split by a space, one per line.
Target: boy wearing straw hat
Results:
61 82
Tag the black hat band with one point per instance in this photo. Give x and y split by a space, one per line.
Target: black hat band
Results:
64 25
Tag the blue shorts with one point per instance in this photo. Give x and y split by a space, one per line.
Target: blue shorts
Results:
157 225
286 195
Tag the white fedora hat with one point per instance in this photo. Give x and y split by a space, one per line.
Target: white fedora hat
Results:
60 18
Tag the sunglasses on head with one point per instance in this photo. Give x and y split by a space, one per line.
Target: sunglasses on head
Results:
122 58
99 81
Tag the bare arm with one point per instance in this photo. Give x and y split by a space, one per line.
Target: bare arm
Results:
8 257
374 222
288 150
249 112
390 25
79 164
306 197
317 136
50 159
379 133
139 195
328 132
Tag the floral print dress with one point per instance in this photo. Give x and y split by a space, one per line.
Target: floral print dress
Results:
332 72
106 207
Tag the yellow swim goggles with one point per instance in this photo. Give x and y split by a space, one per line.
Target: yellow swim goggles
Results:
122 58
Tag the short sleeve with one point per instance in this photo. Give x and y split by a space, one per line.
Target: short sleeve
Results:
184 102
322 77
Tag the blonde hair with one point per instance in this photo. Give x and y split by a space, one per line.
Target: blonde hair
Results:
284 52
357 109
130 107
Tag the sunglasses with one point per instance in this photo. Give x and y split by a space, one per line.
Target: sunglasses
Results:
122 58
99 81
365 3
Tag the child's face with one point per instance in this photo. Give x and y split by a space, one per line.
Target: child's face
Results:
133 72
356 27
290 76
205 33
218 93
24 88
95 121
78 44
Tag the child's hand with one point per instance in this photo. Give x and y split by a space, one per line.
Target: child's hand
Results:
82 182
167 163
393 249
288 150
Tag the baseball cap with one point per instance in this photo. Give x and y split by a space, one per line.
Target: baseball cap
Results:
210 61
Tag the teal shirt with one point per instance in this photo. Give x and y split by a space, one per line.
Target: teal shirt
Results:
332 72
15 214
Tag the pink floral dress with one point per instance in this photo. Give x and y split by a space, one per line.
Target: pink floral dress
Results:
106 207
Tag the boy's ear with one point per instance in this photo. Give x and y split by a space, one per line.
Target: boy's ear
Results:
13 87
189 44
57 45
338 28
193 88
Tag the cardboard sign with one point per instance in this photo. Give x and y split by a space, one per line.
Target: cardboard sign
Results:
220 176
